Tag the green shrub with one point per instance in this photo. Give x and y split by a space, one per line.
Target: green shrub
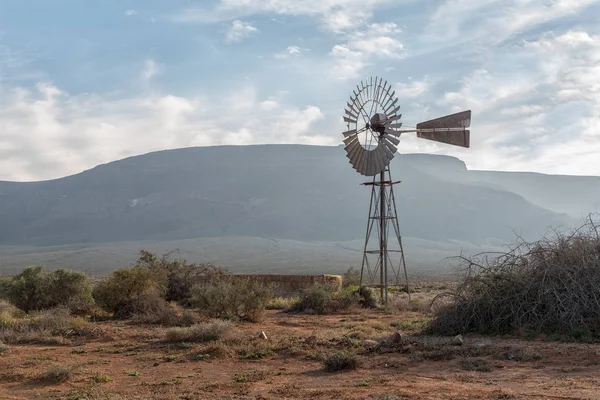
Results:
128 290
367 297
179 276
280 303
321 299
36 289
351 278
315 299
340 360
231 296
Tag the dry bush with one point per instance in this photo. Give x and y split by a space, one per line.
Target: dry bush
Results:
340 360
417 303
178 276
56 374
35 289
127 289
550 286
203 332
351 277
233 297
321 299
151 309
280 303
47 327
144 291
314 299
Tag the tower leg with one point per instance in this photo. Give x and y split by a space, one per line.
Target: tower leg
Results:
382 253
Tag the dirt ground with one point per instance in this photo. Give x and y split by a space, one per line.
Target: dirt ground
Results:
135 362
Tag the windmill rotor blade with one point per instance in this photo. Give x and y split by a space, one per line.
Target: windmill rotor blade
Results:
391 105
372 163
350 114
390 147
392 139
360 167
349 140
388 154
392 132
368 164
392 112
380 157
351 106
349 133
375 162
396 125
350 121
460 137
393 118
359 158
384 92
359 95
377 89
353 153
390 98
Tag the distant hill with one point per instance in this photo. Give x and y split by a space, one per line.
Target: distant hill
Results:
293 192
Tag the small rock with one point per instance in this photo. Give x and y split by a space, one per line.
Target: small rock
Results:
396 338
312 339
262 335
458 340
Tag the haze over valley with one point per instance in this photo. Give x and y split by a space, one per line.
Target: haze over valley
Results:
276 208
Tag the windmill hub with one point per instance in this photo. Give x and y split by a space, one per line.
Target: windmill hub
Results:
377 123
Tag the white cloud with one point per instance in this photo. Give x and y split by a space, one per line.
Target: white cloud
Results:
238 31
535 106
491 21
49 133
412 89
151 69
291 52
131 12
374 42
335 15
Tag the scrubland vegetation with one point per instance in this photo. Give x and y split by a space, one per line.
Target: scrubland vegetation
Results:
170 312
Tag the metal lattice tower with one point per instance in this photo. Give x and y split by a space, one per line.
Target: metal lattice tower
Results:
384 262
371 141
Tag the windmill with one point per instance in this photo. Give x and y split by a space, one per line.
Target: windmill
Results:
371 140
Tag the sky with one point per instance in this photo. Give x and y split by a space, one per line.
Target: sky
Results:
84 83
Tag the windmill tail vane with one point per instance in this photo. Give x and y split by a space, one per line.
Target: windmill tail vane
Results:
371 142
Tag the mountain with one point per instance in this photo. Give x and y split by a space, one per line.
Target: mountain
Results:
291 192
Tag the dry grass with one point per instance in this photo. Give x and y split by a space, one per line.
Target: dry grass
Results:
281 303
46 327
340 360
56 374
202 332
